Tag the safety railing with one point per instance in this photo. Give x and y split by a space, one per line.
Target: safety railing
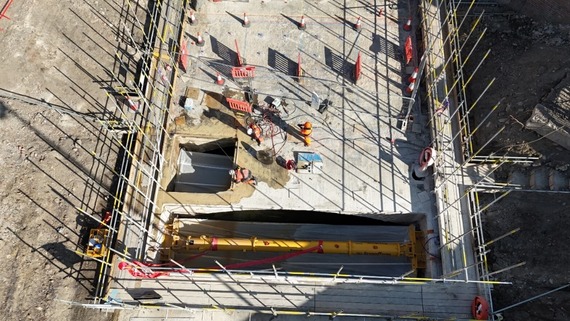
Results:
139 172
455 205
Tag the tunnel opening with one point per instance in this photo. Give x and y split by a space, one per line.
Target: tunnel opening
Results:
203 167
223 147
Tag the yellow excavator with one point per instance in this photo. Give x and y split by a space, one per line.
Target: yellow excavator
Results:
413 248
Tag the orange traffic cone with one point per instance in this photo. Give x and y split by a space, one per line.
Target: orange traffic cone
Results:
414 75
358 24
246 22
200 42
302 25
164 79
408 24
219 80
132 105
192 18
411 87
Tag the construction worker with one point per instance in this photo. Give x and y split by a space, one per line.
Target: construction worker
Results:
242 175
255 132
306 131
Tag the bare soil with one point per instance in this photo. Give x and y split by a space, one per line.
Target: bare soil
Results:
52 163
528 59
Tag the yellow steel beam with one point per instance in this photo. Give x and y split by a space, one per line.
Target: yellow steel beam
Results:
207 243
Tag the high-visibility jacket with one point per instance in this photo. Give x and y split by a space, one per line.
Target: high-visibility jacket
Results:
256 132
243 175
306 131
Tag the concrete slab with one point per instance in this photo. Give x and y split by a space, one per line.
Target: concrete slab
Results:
364 171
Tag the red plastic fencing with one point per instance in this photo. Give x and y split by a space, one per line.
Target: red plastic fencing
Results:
243 72
239 62
358 67
409 50
239 105
183 57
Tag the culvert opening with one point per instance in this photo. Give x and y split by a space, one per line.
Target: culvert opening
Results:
204 167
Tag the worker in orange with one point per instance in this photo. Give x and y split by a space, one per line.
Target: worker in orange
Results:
306 131
242 175
255 132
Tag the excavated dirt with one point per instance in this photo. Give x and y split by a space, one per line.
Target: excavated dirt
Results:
51 163
528 59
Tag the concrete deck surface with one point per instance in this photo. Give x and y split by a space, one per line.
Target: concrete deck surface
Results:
367 158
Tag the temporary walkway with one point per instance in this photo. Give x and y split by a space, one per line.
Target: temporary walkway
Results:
285 295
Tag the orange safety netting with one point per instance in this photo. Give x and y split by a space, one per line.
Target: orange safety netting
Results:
183 56
409 50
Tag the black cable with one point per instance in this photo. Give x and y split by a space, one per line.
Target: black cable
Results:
426 250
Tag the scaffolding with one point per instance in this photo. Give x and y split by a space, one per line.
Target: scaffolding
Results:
140 99
448 38
157 35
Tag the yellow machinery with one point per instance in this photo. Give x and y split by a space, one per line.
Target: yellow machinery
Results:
412 248
96 244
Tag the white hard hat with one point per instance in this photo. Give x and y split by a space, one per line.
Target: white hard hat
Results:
249 131
232 172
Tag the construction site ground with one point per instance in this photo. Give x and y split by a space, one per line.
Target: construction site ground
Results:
61 52
529 58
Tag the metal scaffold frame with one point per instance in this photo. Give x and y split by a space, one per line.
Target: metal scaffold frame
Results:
139 171
452 132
